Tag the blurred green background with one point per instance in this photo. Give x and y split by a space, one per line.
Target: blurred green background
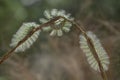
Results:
53 58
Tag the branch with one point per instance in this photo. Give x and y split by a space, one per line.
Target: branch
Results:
8 54
89 41
92 48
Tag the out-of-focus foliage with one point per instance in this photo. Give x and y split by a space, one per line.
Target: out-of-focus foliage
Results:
100 16
3 78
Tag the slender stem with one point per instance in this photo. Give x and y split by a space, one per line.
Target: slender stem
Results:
8 54
92 48
89 41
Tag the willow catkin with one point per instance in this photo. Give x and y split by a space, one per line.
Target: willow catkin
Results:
22 33
102 55
59 26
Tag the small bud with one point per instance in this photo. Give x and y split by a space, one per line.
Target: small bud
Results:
66 29
53 33
59 32
43 20
53 12
48 28
47 14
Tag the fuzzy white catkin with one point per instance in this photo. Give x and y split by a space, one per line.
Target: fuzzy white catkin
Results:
57 28
103 57
22 33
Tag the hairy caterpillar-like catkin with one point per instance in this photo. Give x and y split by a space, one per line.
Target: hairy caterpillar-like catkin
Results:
102 55
21 33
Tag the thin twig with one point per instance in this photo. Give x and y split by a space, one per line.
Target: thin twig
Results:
92 48
8 54
89 41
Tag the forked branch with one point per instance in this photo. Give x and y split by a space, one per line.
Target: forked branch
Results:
89 42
